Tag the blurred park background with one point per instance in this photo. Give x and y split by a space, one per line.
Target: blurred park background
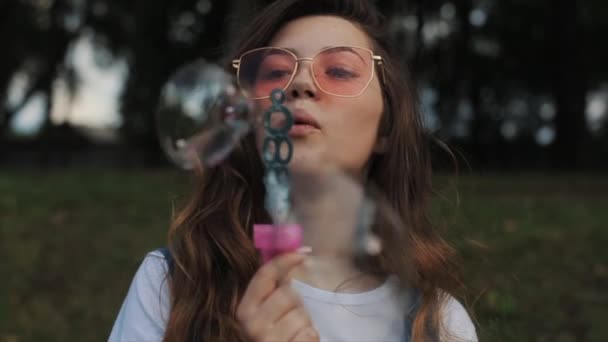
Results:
518 88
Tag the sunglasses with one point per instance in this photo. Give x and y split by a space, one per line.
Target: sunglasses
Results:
344 71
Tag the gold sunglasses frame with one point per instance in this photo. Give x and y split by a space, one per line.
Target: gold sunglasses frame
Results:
375 60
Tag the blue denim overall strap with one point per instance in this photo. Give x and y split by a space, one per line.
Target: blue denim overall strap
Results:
168 258
411 314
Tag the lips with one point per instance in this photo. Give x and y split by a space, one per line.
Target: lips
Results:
303 123
302 117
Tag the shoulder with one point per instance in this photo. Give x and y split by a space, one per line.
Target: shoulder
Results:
145 309
157 260
457 323
152 272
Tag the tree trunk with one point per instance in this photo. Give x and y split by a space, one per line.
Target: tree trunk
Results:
569 85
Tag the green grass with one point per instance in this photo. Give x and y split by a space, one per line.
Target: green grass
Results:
70 243
534 253
532 248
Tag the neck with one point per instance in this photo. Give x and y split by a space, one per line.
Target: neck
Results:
335 274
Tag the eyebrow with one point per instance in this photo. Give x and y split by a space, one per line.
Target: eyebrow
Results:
349 49
340 48
323 48
290 49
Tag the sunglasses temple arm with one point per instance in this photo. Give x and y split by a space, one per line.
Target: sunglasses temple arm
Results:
380 63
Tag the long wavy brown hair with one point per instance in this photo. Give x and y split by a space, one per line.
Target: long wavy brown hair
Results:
211 237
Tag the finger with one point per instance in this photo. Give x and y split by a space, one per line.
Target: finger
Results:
290 325
267 278
307 334
282 301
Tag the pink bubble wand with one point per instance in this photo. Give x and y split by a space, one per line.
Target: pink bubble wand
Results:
278 238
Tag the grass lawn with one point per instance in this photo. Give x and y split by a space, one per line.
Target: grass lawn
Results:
533 250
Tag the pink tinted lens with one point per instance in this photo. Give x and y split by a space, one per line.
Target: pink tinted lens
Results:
343 71
264 70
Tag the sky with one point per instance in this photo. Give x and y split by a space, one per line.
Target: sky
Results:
96 101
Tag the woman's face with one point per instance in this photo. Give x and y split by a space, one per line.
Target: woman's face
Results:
346 132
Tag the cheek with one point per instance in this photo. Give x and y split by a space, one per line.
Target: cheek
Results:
257 120
354 127
358 117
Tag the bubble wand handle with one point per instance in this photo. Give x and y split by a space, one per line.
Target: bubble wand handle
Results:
277 151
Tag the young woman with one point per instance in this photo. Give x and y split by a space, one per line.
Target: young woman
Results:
358 108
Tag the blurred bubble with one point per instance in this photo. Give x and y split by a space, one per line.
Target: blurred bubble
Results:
338 220
201 115
327 205
201 118
340 217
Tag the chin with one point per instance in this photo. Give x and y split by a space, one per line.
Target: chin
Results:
304 162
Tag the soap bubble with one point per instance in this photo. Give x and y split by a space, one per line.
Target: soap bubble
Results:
338 218
201 115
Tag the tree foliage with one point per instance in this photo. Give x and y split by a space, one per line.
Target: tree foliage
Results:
489 65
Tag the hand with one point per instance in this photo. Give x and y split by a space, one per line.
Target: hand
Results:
270 310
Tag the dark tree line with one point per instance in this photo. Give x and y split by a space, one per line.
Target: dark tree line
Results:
513 49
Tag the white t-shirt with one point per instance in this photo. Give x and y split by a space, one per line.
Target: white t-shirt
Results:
373 316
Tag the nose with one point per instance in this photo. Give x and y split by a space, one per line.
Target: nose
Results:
303 85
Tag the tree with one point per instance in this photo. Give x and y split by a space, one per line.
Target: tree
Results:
515 50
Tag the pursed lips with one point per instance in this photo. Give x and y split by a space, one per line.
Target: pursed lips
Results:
302 117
